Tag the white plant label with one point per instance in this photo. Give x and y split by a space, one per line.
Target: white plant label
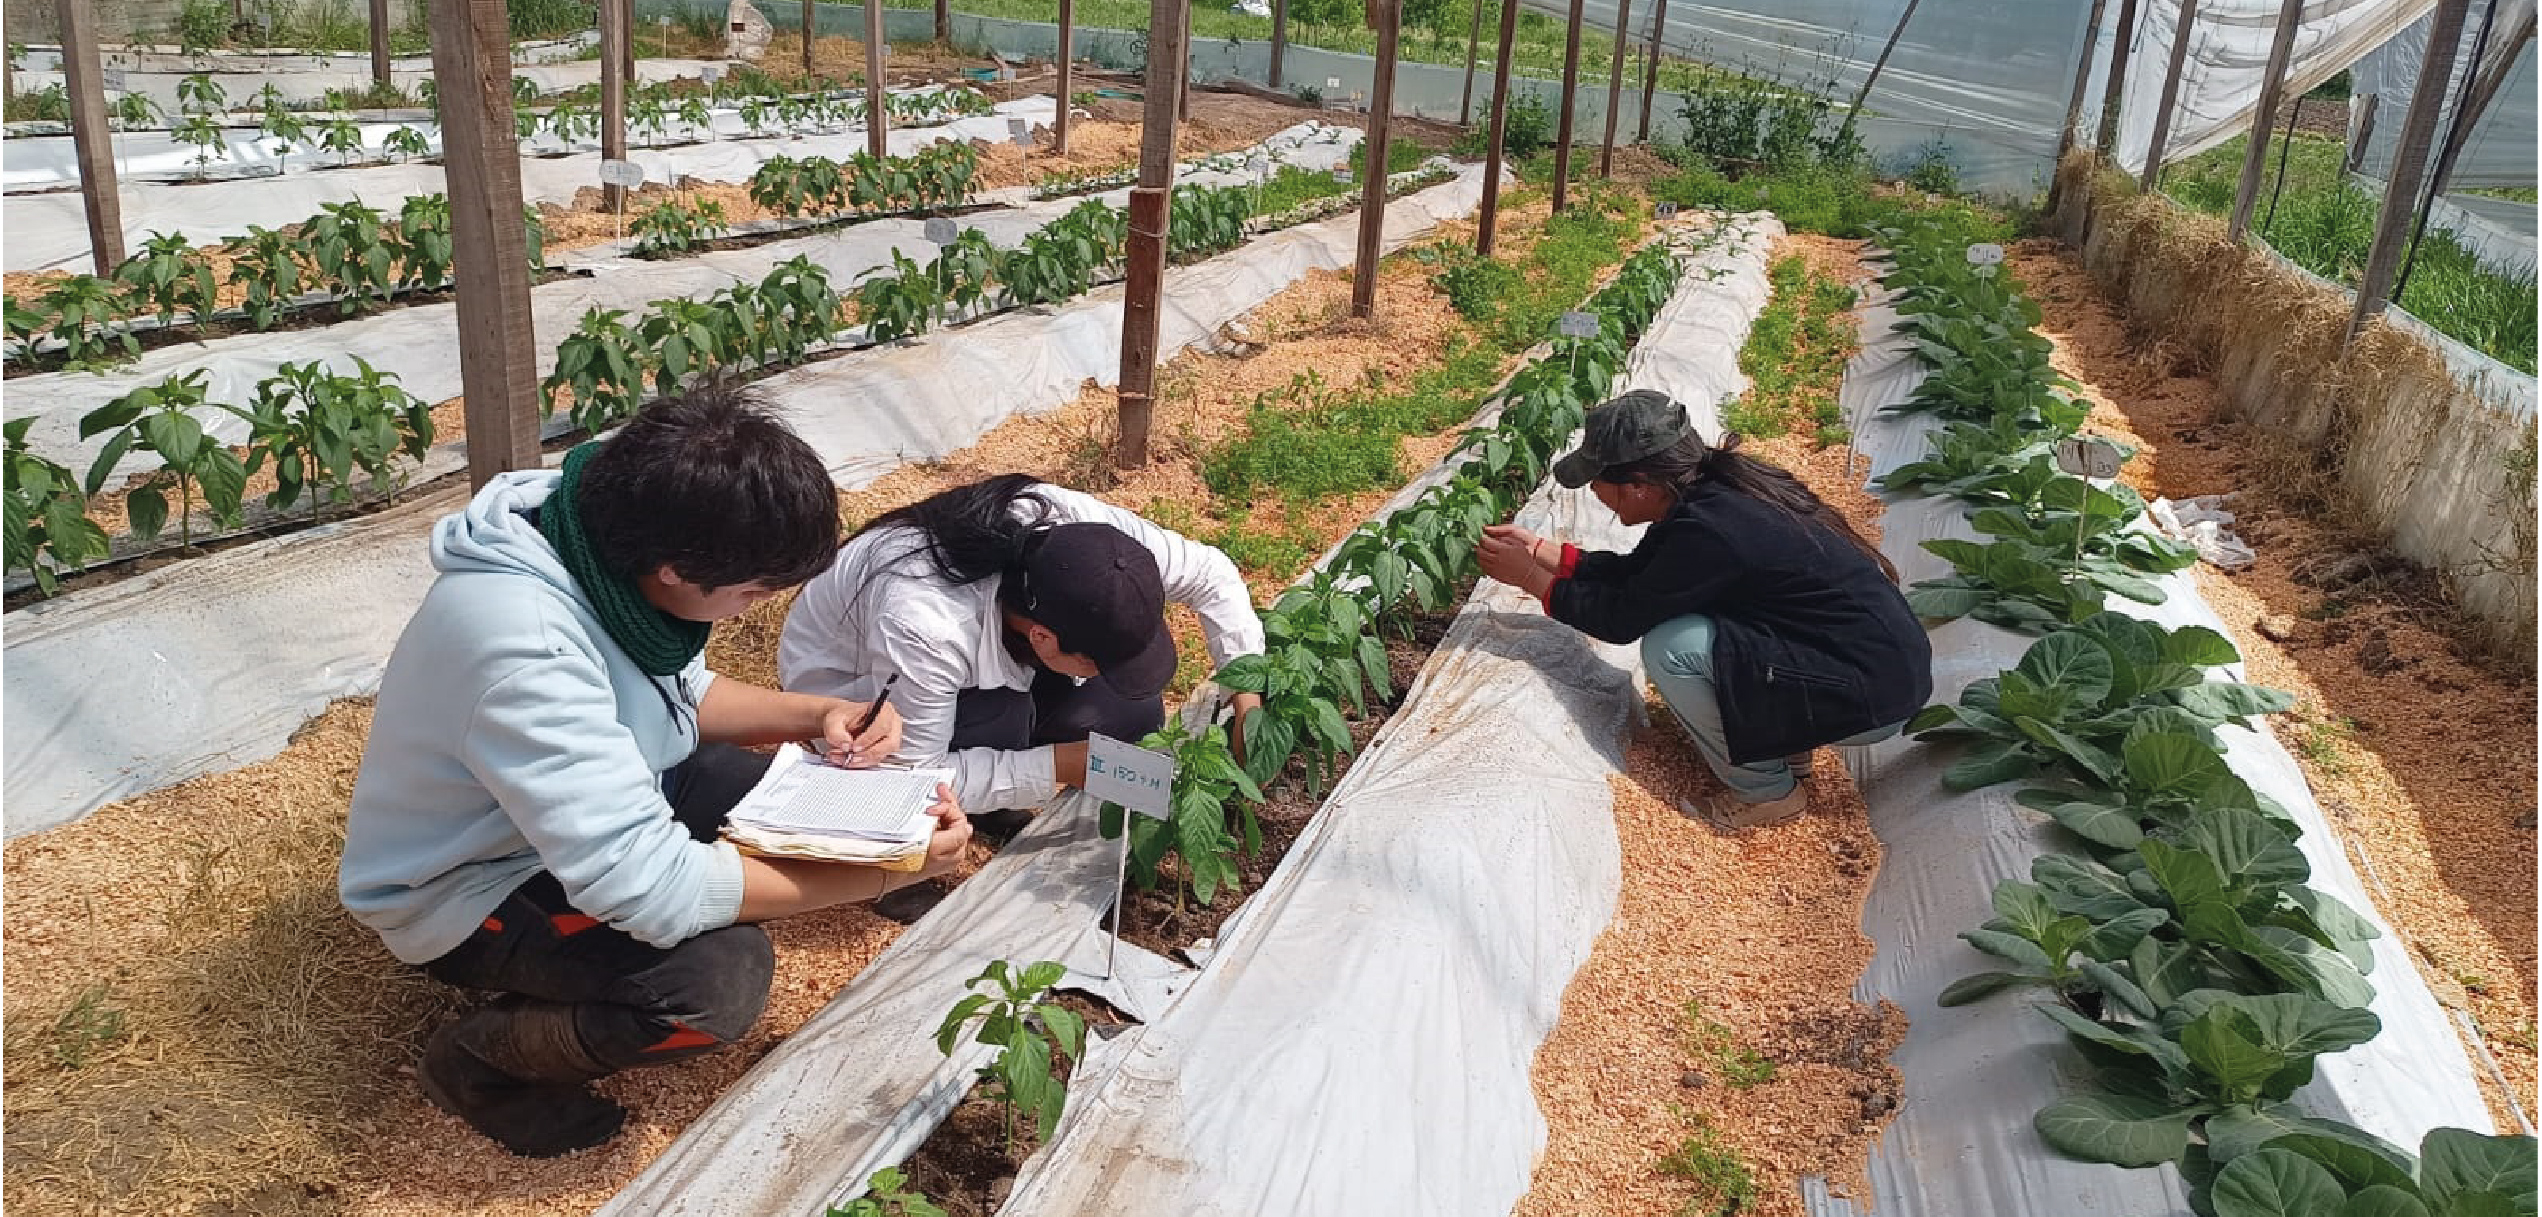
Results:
621 173
1664 211
1132 776
1577 325
710 73
941 231
2090 458
111 79
1331 83
1341 173
1020 129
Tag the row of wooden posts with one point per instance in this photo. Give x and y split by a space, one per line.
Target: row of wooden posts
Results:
471 49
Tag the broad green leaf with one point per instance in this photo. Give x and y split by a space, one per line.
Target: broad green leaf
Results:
2168 764
2246 847
2240 1129
2115 986
2117 937
2238 1064
1066 1028
2312 967
2275 1183
147 511
2115 827
1932 601
2092 760
1970 988
2116 1129
2025 907
2357 1159
2455 1161
2071 661
2196 644
2380 1201
954 1021
1041 976
2006 946
2295 1024
2190 878
2220 700
1987 764
2127 1039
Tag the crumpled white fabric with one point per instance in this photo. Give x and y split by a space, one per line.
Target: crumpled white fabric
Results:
2204 525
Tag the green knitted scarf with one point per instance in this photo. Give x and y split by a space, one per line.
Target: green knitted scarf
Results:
658 642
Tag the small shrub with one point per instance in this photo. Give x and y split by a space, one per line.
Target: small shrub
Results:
1527 126
677 227
1933 171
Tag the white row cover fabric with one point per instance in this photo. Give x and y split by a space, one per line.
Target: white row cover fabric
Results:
1962 1144
417 344
50 231
1410 955
49 162
46 57
307 79
2500 148
232 673
2228 58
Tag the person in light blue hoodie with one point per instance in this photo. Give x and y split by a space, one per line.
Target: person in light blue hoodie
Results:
550 762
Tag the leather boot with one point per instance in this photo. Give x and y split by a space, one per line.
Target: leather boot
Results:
516 1071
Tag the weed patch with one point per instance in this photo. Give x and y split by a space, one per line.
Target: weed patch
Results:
1723 1184
1718 1049
1795 357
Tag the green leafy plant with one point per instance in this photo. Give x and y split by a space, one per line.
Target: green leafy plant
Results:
888 1194
407 142
688 339
897 301
962 271
171 276
158 419
678 226
2060 543
797 308
47 526
1206 777
202 101
1206 220
341 136
1030 1034
134 111
84 309
281 123
320 429
601 367
572 123
349 243
267 263
421 243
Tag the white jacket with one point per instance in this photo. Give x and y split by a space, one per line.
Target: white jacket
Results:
881 610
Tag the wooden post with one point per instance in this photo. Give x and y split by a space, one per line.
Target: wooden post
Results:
1279 37
629 58
1886 49
498 369
2152 175
1615 87
617 27
944 21
1183 79
811 24
2082 79
2281 49
2466 111
93 142
1067 51
379 45
2409 162
1473 44
1150 210
1570 93
1650 66
2116 86
877 110
1500 122
1388 15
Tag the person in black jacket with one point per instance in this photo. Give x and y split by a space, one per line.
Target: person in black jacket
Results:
1770 626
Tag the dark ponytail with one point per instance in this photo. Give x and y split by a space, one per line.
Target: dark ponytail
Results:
1690 460
970 533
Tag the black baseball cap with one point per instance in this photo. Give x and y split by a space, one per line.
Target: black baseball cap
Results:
1635 426
1100 592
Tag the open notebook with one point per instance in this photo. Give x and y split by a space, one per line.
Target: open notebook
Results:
804 807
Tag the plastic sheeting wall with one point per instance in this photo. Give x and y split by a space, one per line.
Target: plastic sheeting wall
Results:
2228 55
203 633
1962 1143
2500 148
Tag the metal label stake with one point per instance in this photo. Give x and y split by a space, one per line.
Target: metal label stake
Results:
1139 781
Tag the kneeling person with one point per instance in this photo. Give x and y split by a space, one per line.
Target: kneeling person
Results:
550 762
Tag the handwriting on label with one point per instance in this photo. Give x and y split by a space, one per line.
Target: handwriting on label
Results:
1134 777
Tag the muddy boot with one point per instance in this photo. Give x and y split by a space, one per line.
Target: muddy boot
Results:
1000 826
906 905
515 1071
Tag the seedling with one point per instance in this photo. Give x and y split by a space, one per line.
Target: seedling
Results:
1724 1187
1030 1035
678 226
1717 1046
84 309
407 142
47 526
158 419
171 276
888 1194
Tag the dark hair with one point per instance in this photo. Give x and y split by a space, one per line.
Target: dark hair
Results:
712 483
969 533
1690 460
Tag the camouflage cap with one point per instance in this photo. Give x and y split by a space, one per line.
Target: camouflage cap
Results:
1639 424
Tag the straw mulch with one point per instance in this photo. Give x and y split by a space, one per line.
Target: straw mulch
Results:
2420 747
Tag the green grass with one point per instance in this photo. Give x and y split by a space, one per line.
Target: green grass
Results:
2521 194
1795 357
1831 201
1723 1184
1717 1047
2325 225
1291 186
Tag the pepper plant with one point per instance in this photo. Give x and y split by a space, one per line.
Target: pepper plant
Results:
678 226
267 262
407 142
341 136
47 528
1206 777
421 244
83 309
896 301
601 368
349 243
158 419
320 429
1030 1034
888 1194
171 276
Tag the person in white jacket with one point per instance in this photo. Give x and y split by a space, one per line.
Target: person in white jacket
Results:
549 763
1011 618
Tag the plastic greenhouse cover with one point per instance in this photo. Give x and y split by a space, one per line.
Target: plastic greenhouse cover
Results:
204 691
50 231
2228 56
416 343
304 78
1962 1144
1407 951
2500 149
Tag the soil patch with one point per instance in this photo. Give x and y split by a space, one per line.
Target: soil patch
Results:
2422 755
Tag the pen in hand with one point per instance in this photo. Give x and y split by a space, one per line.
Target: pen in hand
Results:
873 712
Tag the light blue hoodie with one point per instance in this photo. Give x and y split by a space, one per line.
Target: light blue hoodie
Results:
513 734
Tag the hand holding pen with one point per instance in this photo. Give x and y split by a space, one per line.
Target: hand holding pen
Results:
859 741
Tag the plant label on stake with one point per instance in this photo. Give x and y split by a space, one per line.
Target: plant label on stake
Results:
1577 325
111 79
1140 781
941 231
624 174
2084 456
1664 211
1020 131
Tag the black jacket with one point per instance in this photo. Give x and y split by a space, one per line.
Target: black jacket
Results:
1811 642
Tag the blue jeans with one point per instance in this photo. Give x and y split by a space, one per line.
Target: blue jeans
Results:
1678 654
